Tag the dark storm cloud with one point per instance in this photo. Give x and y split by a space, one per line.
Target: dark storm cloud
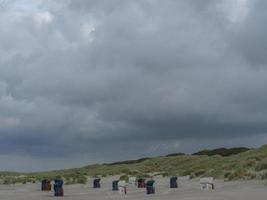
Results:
76 75
250 37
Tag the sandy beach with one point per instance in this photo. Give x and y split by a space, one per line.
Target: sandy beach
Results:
188 190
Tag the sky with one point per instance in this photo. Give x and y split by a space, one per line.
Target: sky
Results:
93 81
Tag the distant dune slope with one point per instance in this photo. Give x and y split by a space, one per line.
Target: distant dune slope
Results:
249 164
223 151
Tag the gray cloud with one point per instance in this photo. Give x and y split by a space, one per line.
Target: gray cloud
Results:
76 75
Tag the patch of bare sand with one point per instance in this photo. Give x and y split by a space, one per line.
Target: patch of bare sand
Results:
188 190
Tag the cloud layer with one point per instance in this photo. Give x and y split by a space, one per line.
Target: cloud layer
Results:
90 79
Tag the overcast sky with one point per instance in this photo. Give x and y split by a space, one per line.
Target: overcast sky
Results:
88 81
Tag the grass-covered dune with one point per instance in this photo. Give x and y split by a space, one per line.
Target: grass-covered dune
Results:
250 164
223 151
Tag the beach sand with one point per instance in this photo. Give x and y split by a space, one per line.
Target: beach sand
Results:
188 190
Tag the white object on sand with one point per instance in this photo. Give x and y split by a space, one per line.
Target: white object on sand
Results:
132 180
207 183
122 187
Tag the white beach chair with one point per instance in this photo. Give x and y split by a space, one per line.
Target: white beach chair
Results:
122 187
207 183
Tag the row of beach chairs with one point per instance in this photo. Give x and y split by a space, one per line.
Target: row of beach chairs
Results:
121 185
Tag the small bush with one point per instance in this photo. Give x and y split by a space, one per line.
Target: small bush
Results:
82 180
124 178
262 165
70 182
239 174
227 175
199 172
250 163
263 176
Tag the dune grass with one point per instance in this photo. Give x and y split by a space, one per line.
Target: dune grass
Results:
251 164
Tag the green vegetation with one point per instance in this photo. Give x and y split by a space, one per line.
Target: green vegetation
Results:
223 151
129 161
251 164
175 154
124 178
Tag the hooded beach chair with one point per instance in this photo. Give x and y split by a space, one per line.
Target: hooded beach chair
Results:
96 183
150 189
173 182
115 186
58 188
141 183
